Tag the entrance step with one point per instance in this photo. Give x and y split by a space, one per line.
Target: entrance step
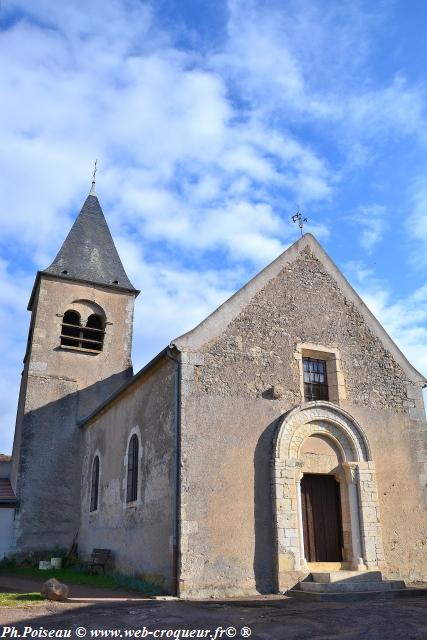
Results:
328 566
339 576
345 587
351 585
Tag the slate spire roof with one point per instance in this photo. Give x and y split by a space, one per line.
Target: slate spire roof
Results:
88 253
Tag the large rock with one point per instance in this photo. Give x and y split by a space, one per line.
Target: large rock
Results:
54 590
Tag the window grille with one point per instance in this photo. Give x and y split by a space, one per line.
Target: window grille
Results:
132 479
88 338
94 485
315 379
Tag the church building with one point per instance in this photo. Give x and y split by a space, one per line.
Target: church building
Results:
285 432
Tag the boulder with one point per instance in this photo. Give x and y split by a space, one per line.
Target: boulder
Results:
54 590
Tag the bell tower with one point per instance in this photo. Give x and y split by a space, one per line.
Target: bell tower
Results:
78 354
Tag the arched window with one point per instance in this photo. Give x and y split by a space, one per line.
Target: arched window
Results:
132 479
94 488
93 333
70 331
88 338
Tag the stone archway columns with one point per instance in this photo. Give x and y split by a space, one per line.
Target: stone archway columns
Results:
364 514
328 420
351 476
290 542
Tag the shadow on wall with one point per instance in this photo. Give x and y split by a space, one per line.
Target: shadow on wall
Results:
265 557
49 469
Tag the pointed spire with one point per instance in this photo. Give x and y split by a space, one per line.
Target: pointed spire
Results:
88 253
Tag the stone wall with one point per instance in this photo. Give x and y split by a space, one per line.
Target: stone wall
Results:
140 534
230 417
303 304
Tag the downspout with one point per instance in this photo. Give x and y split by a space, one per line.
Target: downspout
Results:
176 557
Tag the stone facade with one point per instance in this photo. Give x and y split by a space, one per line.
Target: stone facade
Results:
243 375
302 304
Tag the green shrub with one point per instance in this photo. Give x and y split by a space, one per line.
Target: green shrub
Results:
8 563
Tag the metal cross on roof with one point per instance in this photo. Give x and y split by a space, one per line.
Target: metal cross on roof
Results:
92 191
297 217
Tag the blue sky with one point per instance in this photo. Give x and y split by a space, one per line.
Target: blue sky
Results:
212 122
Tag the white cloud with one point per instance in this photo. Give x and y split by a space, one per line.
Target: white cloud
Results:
310 62
201 153
371 220
14 320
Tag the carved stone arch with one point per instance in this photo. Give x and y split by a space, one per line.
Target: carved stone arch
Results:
87 308
356 473
324 418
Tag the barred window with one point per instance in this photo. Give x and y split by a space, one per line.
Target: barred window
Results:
132 479
315 379
94 485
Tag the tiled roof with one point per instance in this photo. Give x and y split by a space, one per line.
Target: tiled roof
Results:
6 491
4 457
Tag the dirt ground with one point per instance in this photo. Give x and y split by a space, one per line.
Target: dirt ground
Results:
278 619
18 584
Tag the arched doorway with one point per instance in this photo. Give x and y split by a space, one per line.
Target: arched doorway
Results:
322 457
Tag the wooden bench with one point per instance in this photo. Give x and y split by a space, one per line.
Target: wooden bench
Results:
99 558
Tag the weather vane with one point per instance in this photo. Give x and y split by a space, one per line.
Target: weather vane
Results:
94 171
297 217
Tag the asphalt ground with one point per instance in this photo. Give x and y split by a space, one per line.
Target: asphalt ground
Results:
278 618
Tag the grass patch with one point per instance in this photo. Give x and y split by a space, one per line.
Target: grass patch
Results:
73 576
19 599
76 575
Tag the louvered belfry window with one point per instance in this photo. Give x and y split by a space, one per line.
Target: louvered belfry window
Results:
70 330
94 485
93 333
88 338
315 379
132 479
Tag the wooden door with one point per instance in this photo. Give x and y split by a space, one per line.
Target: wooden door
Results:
321 510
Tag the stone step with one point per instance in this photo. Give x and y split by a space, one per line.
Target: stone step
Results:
345 587
339 576
328 566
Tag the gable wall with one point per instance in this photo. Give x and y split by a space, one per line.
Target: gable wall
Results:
229 421
140 535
